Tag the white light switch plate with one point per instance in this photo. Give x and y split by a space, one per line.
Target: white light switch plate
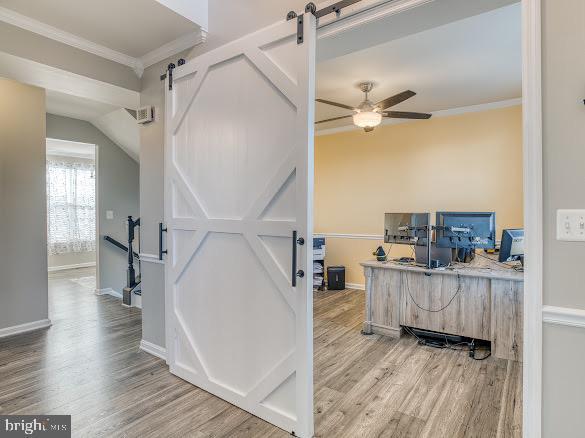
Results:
109 214
571 225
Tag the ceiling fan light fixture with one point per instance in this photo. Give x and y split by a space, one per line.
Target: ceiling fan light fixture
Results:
368 115
367 119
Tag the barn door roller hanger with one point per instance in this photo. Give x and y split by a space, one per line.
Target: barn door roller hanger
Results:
311 8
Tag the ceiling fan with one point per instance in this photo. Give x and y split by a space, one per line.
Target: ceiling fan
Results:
368 115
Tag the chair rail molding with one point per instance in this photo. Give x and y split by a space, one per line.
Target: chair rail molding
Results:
566 316
350 236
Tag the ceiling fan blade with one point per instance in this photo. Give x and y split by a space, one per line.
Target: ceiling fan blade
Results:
334 118
395 100
340 105
405 115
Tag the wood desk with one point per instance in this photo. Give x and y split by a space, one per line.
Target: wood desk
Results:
488 302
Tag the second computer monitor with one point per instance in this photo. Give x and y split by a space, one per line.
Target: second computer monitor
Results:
512 245
406 228
468 230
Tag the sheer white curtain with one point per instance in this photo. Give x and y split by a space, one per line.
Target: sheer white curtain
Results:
70 206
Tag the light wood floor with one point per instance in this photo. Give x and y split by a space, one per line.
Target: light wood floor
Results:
89 365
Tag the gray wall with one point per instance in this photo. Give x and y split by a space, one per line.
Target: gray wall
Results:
23 214
564 179
563 41
152 202
118 190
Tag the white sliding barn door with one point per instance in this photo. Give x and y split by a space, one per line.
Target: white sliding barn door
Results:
238 183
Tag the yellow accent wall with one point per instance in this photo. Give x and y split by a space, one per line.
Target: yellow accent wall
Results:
467 162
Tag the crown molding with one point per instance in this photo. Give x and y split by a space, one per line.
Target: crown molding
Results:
167 50
436 114
137 64
32 25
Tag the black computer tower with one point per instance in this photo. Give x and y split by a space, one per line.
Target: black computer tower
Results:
336 277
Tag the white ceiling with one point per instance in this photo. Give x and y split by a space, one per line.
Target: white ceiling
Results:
132 27
468 62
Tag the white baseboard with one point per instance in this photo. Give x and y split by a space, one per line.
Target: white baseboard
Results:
355 286
137 301
66 267
564 316
25 328
153 349
108 291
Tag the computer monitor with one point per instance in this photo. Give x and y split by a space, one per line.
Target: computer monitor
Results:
512 245
468 230
406 228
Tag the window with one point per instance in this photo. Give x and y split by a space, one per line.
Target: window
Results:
70 206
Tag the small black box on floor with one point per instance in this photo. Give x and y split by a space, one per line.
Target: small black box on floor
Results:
336 277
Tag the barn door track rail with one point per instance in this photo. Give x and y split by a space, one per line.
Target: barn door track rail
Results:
311 8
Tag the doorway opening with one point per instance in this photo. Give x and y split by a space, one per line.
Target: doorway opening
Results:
72 220
452 170
425 121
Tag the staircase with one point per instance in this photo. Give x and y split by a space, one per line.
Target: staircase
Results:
132 279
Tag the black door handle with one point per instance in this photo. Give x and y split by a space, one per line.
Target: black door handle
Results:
161 230
294 259
294 273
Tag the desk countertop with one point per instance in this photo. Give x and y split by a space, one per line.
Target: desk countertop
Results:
483 266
